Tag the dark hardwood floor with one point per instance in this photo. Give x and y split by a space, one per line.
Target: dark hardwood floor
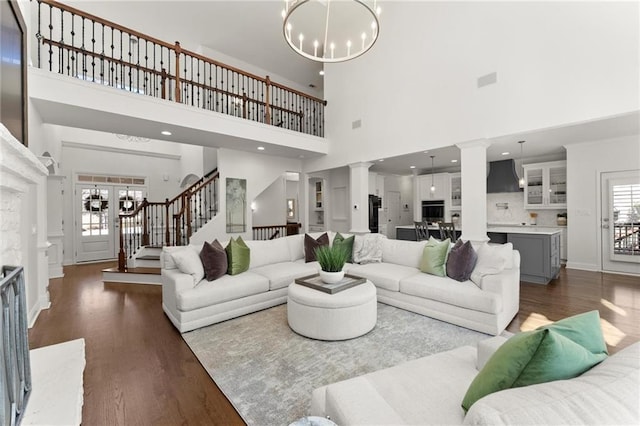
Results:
140 372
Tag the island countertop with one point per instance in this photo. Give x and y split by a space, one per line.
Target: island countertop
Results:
505 229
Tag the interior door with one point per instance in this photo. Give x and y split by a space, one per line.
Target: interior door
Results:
621 221
94 223
393 212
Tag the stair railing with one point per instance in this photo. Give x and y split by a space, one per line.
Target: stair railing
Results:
15 367
269 232
84 46
168 223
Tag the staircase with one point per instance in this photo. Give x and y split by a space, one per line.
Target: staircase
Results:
153 225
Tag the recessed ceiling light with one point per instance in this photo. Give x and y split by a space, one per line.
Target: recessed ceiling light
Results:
261 148
166 132
381 160
505 153
412 167
425 152
321 72
454 161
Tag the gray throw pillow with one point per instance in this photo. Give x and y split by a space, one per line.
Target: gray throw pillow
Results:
214 260
462 259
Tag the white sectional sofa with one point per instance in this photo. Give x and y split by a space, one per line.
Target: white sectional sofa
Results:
429 391
276 263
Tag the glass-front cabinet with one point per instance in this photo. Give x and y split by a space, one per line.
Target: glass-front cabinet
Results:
545 185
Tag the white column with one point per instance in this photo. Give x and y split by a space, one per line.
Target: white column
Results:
359 184
417 200
473 156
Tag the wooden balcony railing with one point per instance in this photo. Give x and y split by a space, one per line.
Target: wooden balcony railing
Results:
78 44
275 231
169 223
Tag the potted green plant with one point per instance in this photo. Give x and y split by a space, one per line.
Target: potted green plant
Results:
331 260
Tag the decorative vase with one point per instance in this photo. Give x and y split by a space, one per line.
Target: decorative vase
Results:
331 277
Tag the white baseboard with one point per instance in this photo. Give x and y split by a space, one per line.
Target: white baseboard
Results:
583 266
43 303
56 272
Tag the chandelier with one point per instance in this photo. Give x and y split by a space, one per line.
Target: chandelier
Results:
330 30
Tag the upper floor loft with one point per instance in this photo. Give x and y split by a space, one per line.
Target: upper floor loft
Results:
160 86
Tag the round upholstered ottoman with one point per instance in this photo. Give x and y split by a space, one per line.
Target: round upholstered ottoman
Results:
344 315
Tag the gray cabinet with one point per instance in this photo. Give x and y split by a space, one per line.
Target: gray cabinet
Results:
539 256
406 234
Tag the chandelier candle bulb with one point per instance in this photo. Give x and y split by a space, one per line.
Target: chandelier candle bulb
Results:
315 47
348 47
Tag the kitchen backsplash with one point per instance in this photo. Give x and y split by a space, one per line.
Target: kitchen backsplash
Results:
515 213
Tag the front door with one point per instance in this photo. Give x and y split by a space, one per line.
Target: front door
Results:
94 223
621 221
97 223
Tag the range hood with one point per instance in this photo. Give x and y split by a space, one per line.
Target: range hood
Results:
502 177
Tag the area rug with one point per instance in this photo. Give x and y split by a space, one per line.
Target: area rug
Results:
268 372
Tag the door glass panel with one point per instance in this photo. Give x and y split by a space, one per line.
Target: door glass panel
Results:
129 199
626 219
95 212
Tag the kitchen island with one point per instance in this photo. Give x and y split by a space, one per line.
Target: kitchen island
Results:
408 232
539 247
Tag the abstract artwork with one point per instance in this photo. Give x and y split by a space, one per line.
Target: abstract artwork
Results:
236 205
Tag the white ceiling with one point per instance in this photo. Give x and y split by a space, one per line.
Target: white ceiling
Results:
252 32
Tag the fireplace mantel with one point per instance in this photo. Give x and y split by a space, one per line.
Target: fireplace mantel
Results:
23 218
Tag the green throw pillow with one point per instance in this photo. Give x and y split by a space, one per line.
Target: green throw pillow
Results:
546 354
584 329
434 257
238 255
347 243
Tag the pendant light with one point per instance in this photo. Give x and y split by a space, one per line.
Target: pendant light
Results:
521 181
433 187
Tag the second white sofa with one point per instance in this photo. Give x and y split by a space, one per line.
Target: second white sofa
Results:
276 263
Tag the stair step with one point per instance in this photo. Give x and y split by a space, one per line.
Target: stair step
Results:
138 270
148 257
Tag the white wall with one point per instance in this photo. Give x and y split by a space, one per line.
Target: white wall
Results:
585 163
418 88
209 159
270 205
191 160
260 170
84 151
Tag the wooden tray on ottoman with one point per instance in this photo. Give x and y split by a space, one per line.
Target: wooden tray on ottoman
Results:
314 282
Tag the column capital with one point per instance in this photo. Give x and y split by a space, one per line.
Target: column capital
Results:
474 143
360 164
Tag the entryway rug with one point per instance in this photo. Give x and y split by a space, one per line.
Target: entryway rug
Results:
268 372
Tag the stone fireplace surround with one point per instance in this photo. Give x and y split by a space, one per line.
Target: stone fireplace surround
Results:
23 219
